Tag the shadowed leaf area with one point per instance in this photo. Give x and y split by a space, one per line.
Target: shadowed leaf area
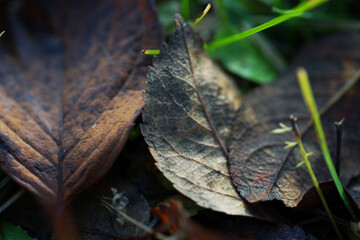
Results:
71 81
174 220
260 167
188 97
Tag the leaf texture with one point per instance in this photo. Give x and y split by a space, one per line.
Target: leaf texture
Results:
71 81
189 108
260 167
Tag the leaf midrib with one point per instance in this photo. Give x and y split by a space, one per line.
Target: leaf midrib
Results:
207 116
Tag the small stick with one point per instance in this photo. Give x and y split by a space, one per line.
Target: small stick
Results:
339 127
11 200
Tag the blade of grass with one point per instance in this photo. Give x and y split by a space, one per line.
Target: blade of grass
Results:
151 51
297 11
208 7
157 51
185 9
305 155
311 104
2 33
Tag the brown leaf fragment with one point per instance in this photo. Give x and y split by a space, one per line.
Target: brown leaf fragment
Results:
189 108
174 221
260 167
311 198
71 81
354 190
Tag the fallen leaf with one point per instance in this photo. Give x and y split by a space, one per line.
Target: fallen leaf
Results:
354 190
189 108
71 83
174 221
311 198
260 167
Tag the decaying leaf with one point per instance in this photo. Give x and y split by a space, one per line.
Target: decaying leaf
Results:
189 108
260 167
175 221
71 76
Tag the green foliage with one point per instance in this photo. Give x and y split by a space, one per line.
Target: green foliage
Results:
245 58
11 232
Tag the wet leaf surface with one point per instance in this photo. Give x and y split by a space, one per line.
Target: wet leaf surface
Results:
71 81
190 106
260 167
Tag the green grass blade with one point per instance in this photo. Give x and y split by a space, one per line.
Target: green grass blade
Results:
305 155
299 10
151 51
311 104
185 9
208 7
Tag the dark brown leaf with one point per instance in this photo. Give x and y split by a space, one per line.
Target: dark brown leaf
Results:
354 190
260 167
311 198
190 106
71 81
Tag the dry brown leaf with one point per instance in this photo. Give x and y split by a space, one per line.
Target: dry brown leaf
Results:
189 108
260 167
71 81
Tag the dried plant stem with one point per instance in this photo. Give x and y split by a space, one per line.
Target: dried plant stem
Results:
123 215
207 9
304 155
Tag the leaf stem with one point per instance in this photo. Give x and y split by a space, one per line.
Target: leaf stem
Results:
311 105
296 12
304 155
